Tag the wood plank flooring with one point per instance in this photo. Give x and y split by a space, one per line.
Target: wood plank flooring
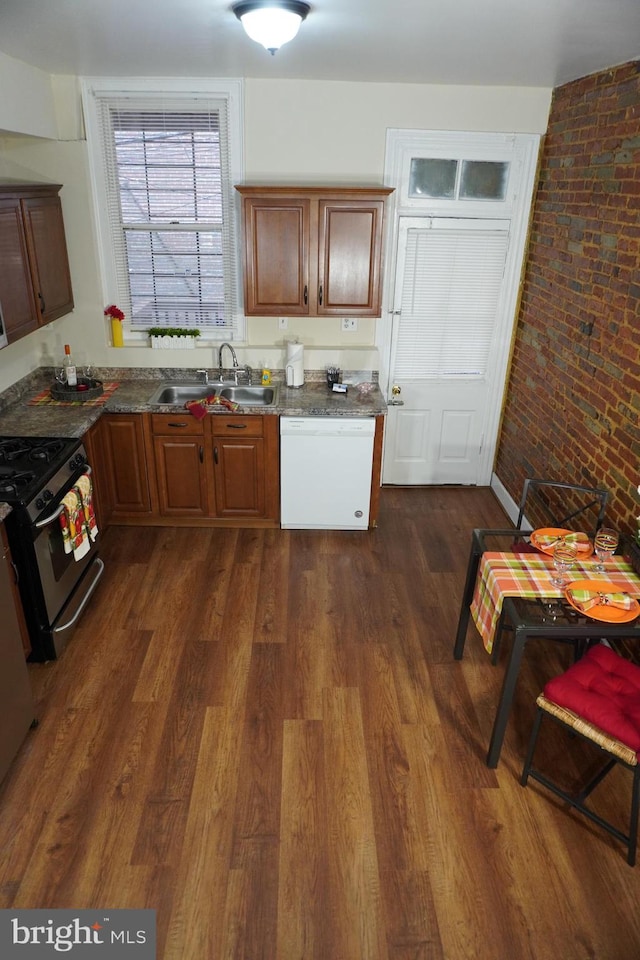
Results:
262 734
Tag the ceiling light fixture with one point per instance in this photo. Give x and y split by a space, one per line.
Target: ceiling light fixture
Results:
271 22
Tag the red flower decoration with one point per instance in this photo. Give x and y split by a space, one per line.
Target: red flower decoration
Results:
114 312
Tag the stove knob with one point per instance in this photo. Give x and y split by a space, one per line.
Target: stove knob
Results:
77 461
42 501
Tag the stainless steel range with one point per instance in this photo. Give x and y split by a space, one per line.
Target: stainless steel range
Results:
36 473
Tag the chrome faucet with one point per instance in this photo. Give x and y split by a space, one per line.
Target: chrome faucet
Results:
235 360
205 376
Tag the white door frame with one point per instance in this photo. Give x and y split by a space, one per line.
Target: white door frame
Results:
522 151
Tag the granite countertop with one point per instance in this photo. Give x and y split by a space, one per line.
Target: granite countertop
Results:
20 417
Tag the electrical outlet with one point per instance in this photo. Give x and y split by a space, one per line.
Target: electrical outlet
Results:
283 323
349 325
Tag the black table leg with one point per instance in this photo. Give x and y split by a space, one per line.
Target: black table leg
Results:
467 596
506 695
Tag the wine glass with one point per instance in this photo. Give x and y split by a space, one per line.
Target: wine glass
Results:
60 375
564 556
605 543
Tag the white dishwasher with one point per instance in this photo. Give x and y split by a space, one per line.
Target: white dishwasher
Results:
325 472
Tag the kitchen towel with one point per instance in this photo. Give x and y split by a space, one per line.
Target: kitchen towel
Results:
77 520
85 491
198 408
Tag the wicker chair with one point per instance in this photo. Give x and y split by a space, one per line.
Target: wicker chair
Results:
597 698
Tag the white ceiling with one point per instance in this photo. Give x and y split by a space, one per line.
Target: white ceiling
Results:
479 42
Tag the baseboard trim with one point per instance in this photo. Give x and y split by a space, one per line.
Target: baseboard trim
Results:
505 499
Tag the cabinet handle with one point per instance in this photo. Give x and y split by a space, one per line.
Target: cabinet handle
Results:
178 425
320 295
42 303
201 454
236 426
306 295
215 454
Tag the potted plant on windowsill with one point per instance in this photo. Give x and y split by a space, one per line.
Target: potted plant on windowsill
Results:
173 338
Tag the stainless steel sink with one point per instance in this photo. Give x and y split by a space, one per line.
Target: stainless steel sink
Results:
250 396
177 391
181 391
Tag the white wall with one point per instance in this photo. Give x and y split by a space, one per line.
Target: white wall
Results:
295 131
26 99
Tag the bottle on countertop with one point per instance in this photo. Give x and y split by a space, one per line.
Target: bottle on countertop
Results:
266 376
69 366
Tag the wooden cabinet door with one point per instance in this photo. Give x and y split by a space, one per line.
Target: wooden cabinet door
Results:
14 608
239 477
48 256
276 256
349 257
313 251
125 461
16 291
181 476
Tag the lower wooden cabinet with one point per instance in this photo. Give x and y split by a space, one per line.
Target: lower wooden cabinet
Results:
181 469
173 469
125 486
244 467
12 613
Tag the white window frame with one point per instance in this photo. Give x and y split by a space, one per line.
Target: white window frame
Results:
174 89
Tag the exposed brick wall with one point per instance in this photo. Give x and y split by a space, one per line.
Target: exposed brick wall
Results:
572 410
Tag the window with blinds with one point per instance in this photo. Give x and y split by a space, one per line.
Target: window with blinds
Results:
451 285
170 215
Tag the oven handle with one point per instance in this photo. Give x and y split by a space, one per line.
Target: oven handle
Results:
66 626
39 524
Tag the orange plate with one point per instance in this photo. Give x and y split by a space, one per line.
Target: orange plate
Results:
601 611
557 532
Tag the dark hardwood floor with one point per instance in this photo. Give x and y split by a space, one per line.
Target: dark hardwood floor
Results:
262 734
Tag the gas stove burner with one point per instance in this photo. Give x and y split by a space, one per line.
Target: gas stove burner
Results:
30 465
12 482
12 449
46 450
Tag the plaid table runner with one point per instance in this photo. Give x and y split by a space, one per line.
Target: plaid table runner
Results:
529 575
45 398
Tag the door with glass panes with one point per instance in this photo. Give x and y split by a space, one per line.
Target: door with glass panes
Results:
452 298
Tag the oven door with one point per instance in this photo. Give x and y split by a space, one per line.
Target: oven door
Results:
59 572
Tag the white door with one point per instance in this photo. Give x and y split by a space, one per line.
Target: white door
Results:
457 242
448 305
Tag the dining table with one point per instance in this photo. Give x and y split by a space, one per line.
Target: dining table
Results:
508 585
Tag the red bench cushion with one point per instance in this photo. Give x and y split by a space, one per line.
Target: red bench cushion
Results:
604 689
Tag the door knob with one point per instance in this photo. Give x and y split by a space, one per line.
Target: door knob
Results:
395 396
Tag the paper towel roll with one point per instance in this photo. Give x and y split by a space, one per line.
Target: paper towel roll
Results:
295 364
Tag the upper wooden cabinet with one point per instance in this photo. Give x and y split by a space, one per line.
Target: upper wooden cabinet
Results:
312 251
35 283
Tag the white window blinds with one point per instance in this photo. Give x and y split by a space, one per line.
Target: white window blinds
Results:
451 285
170 211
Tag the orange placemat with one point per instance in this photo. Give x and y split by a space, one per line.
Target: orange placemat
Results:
45 398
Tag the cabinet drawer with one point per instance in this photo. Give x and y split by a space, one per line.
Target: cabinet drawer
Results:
238 427
169 423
